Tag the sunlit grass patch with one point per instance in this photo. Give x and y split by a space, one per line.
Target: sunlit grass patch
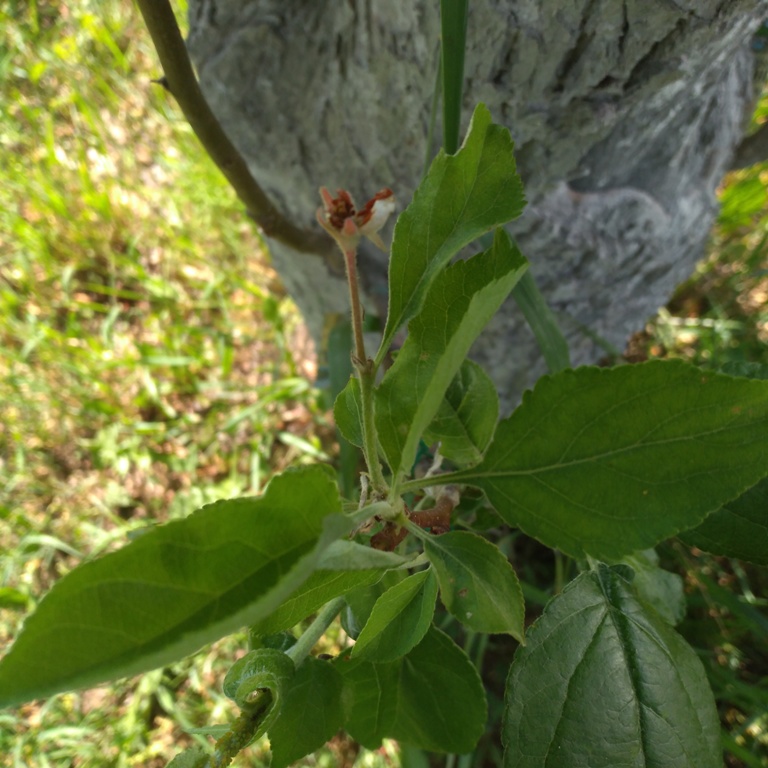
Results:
147 359
720 315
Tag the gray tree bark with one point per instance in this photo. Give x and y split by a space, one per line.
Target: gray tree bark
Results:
625 115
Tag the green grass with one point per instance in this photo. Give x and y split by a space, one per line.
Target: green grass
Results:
720 315
144 353
148 365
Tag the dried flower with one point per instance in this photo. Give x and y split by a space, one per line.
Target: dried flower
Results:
346 225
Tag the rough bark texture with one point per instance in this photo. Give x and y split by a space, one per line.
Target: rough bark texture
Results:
625 115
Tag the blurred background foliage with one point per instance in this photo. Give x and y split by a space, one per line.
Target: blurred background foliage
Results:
151 362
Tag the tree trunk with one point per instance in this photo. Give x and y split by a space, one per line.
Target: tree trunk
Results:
625 116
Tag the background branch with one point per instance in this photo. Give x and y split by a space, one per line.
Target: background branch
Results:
181 81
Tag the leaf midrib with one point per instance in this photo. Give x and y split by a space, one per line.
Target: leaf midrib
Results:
478 472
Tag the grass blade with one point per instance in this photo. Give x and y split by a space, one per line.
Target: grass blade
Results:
453 20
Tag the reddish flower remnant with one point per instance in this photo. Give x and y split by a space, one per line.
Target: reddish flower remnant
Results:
346 225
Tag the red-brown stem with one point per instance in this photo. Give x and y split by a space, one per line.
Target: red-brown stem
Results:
350 259
437 519
388 537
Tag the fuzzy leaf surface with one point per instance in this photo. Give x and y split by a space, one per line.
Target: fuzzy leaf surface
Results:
399 620
175 588
432 698
462 299
738 529
603 683
605 461
310 715
461 197
348 414
320 588
466 419
477 583
344 555
263 671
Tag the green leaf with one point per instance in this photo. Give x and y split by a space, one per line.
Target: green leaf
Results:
466 419
320 588
279 641
660 589
738 529
348 414
399 620
463 297
746 369
462 196
175 588
603 683
477 583
360 602
249 680
431 698
194 757
338 350
606 461
344 555
311 713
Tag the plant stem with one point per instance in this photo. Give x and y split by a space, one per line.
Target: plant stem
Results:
315 631
417 531
449 478
542 322
370 444
241 732
366 373
182 83
239 735
350 261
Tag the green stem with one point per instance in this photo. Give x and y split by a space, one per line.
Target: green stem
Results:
370 443
450 478
242 730
420 533
315 631
542 322
382 508
239 735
